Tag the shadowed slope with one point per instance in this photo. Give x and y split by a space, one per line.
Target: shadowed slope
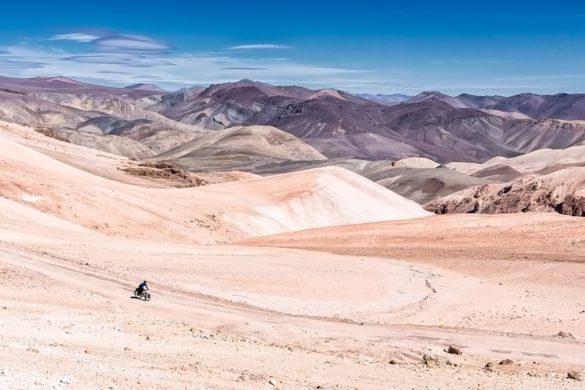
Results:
245 148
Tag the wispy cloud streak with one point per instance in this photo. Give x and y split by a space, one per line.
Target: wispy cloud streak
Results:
260 46
76 37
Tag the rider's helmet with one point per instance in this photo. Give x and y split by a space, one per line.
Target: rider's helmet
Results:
144 282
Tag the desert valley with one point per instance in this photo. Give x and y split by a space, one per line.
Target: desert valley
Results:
291 238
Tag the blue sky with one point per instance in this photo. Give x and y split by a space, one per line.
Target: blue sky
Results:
496 47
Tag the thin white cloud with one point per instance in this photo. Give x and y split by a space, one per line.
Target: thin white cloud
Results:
124 59
130 43
77 37
115 43
260 46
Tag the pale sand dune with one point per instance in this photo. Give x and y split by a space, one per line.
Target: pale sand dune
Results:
204 215
318 197
541 159
529 162
416 162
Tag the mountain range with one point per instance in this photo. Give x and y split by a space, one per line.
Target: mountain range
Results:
336 123
397 141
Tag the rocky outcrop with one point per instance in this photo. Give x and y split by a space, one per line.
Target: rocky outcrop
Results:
165 171
562 191
572 205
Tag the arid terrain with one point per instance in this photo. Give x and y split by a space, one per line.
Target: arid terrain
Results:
292 195
281 195
317 279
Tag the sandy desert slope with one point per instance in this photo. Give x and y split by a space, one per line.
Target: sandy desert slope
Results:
464 239
235 144
230 316
207 214
533 162
243 316
529 267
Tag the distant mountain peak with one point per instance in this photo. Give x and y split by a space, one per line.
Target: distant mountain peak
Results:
432 94
237 84
437 96
328 92
248 82
145 87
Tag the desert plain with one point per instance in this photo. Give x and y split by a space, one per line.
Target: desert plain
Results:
318 279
